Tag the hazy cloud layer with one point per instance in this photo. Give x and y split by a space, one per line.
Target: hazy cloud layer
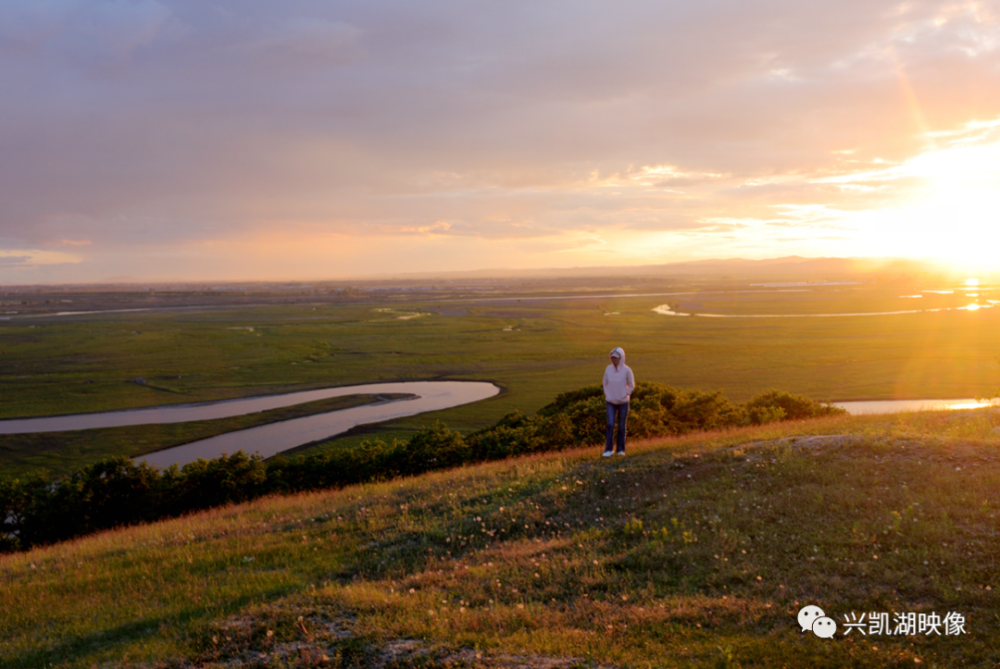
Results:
632 131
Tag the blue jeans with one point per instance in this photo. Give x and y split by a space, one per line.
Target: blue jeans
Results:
621 412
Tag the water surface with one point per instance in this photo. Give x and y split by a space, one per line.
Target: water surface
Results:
897 406
182 413
268 440
665 310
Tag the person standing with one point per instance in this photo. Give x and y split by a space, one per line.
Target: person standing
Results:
618 386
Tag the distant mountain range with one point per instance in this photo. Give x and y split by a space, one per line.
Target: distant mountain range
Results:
790 268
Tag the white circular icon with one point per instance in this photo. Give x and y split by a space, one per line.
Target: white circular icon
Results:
824 627
808 615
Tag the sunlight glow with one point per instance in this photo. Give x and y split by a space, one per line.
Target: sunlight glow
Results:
949 214
972 404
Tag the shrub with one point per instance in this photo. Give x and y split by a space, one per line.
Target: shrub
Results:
434 447
697 410
564 400
118 491
207 483
795 407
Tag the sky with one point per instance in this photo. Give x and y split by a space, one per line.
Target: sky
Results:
304 139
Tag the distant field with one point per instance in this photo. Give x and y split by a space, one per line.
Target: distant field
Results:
533 348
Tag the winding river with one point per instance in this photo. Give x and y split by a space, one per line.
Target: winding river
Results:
274 438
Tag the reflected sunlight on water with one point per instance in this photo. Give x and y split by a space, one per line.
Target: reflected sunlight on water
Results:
895 406
665 310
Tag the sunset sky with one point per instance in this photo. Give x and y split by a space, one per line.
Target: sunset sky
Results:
294 139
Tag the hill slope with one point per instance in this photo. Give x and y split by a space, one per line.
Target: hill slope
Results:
695 551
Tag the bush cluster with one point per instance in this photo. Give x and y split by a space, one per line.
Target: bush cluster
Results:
118 492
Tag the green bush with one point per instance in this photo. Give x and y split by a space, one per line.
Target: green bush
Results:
204 484
759 415
434 447
657 410
564 400
795 407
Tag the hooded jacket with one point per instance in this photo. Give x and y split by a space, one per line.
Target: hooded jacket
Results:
618 383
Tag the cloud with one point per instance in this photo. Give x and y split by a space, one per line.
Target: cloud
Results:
304 39
34 258
14 260
158 123
81 33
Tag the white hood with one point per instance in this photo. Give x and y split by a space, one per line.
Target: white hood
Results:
618 381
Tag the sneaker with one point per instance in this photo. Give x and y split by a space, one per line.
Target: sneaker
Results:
608 454
620 453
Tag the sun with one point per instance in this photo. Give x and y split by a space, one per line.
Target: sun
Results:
962 207
950 213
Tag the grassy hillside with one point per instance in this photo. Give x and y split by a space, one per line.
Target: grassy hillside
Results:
693 551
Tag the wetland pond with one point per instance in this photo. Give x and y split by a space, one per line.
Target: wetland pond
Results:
898 406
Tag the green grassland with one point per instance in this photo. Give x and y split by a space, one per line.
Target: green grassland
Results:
533 348
695 551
